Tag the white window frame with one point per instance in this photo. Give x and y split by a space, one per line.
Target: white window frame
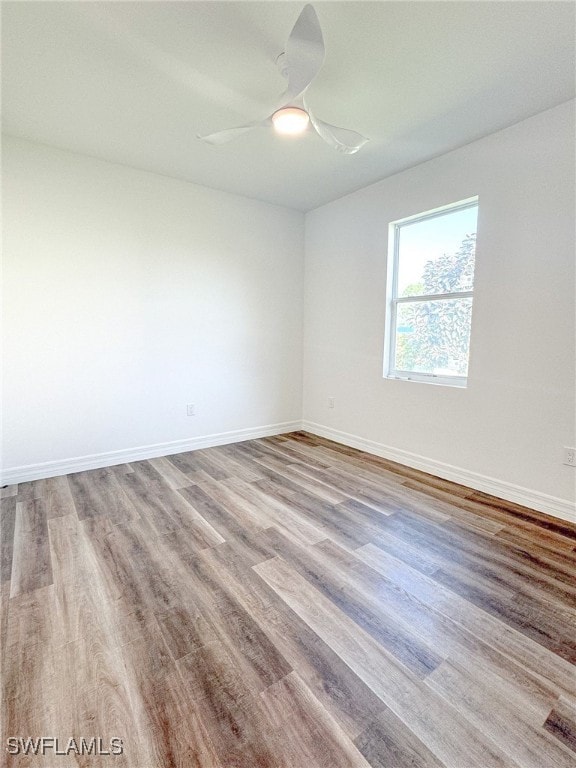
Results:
392 298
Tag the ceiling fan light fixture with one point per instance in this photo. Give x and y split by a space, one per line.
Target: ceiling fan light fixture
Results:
290 121
300 62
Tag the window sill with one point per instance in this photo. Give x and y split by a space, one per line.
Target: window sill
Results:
443 381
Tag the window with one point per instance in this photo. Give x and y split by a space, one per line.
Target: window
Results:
430 292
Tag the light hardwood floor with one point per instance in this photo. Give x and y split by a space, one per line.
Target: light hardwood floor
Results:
286 602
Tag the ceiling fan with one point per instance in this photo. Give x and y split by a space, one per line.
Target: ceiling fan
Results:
299 64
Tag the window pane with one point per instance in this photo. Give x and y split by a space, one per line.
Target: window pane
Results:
433 336
436 255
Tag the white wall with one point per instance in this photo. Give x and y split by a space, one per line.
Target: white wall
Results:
128 295
518 411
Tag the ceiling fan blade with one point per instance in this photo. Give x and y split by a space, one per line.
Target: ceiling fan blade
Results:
304 53
341 139
228 134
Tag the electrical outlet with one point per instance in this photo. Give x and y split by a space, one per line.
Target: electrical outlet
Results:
570 457
330 402
190 409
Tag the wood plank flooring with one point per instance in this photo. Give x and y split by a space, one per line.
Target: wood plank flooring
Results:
285 603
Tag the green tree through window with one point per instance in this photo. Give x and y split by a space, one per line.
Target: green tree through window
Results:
433 336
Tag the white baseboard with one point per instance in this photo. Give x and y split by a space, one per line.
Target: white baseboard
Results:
110 458
550 505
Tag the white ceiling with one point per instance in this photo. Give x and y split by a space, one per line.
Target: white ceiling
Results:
133 82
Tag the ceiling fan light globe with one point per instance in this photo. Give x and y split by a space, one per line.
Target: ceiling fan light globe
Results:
290 121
